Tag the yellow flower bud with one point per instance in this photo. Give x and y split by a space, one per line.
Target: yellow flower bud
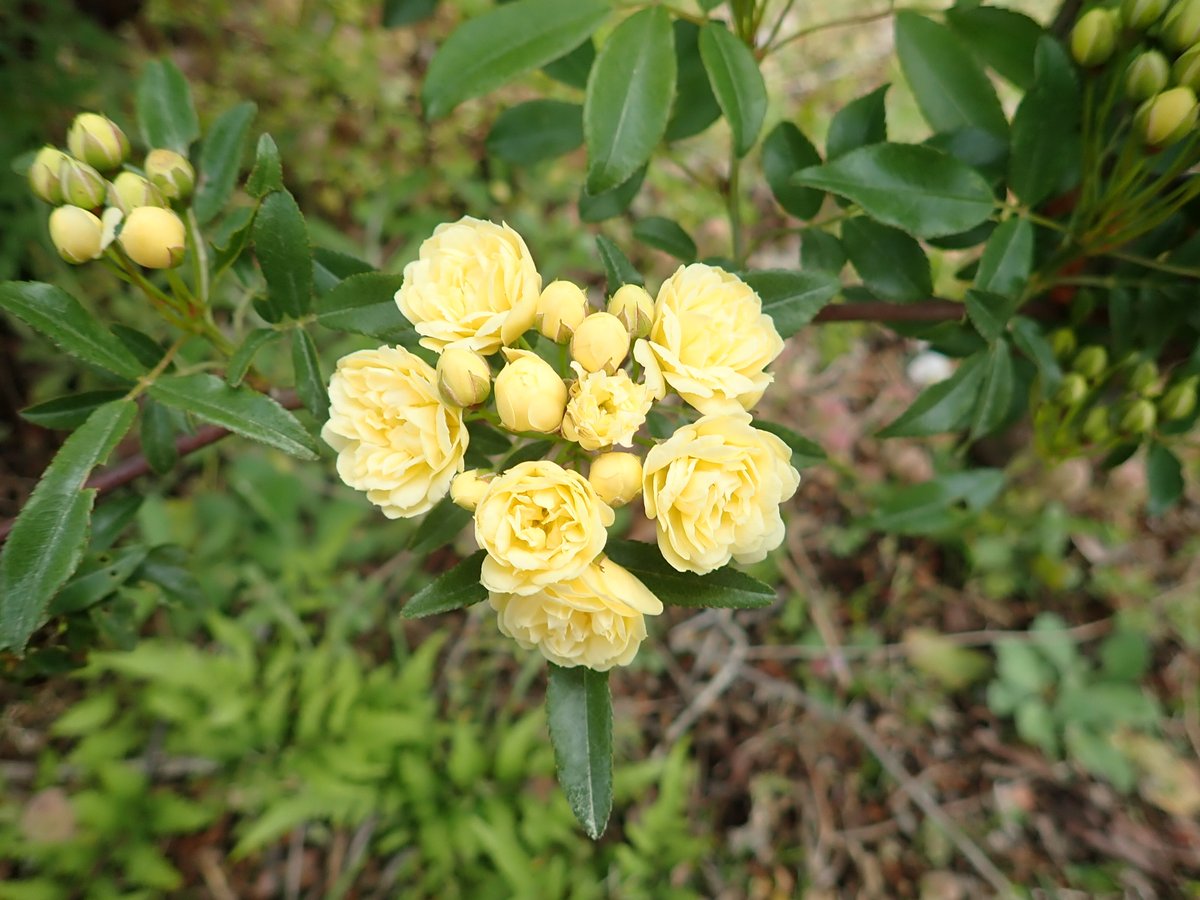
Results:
1094 37
81 184
153 237
76 233
529 394
600 342
1186 70
129 190
1181 29
463 377
616 477
1141 14
1167 118
634 307
171 173
468 488
1147 75
97 141
43 174
560 308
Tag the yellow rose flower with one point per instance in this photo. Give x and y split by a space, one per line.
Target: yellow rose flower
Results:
714 490
596 620
540 524
603 410
394 437
710 341
473 283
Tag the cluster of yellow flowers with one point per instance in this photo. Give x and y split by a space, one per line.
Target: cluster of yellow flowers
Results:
132 208
713 488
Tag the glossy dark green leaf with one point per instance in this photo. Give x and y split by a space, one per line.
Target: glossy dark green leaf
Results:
579 713
158 437
243 356
736 82
220 159
996 395
822 250
60 317
1045 130
48 538
805 452
792 299
267 174
598 207
284 253
454 589
527 452
366 304
859 123
111 518
398 13
666 235
165 113
945 406
989 312
98 581
1164 477
502 43
694 107
169 567
340 265
144 348
1027 335
951 89
438 527
232 237
617 267
68 412
784 153
573 68
240 409
628 98
1002 39
1007 259
487 439
726 587
891 264
535 131
909 186
306 368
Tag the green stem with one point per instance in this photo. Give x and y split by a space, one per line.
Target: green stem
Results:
199 258
733 205
144 383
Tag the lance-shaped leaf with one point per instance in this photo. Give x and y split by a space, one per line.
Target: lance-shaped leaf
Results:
366 304
726 587
284 253
805 452
792 299
694 107
579 713
451 590
784 153
666 235
158 437
891 264
267 174
996 395
165 112
68 412
1164 477
617 267
860 123
989 312
1007 259
438 527
307 370
736 82
220 157
941 407
1045 132
1002 39
243 356
535 131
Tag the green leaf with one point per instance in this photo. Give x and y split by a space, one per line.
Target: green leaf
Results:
165 112
989 312
1027 335
945 406
1035 725
694 107
284 253
573 68
925 508
158 438
910 186
1125 655
859 123
579 712
605 205
535 131
736 82
240 409
1045 131
1164 474
785 152
726 587
48 538
1096 753
111 518
891 264
804 451
1003 39
243 356
1007 259
366 304
233 234
68 412
267 174
505 42
60 317
454 589
792 299
822 251
310 386
995 398
617 267
951 90
144 348
665 235
628 97
487 439
340 265
438 527
99 581
220 159
397 13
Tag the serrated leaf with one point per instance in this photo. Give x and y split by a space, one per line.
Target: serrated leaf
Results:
736 82
232 237
366 304
60 317
945 406
726 587
579 713
490 49
1164 476
995 397
267 174
454 589
1007 259
1002 39
694 107
220 159
784 153
805 452
598 207
306 367
70 411
989 312
243 356
158 438
48 538
240 409
536 130
859 123
1045 127
666 235
111 518
438 527
891 264
284 253
792 299
628 98
165 113
617 267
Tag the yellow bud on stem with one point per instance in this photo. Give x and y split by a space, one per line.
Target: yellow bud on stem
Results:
463 377
1094 37
529 394
468 488
43 174
76 233
153 237
171 173
98 141
616 477
129 190
601 342
634 307
1167 118
560 308
81 184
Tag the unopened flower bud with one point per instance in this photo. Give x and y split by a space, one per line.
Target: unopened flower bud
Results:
1094 37
463 377
1063 343
1147 75
1186 71
1095 425
1141 14
617 477
1072 390
1091 362
153 237
560 308
634 307
81 184
1139 418
129 190
468 488
43 174
601 342
171 173
1181 28
97 141
76 233
1179 401
1167 118
529 394
1144 378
